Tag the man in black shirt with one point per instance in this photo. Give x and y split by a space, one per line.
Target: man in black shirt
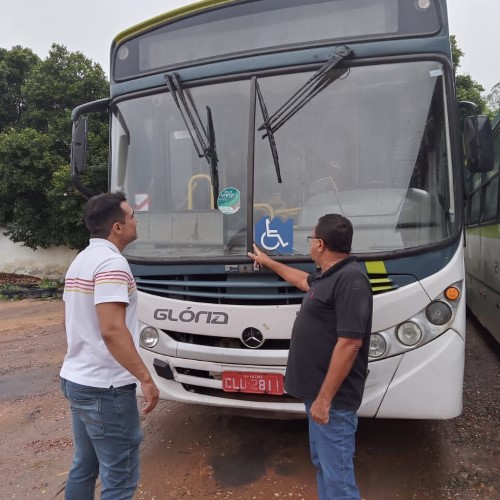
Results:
328 358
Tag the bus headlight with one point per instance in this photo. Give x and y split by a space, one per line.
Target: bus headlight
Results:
149 337
123 53
423 4
425 325
409 333
378 345
438 313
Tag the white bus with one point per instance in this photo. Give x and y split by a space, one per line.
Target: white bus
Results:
246 120
482 251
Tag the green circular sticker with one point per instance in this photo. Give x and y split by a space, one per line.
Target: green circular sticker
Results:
229 200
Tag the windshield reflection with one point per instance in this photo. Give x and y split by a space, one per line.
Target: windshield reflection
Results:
372 147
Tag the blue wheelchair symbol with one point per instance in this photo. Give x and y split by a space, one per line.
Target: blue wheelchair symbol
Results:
275 234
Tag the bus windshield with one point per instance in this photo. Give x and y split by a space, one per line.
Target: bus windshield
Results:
373 146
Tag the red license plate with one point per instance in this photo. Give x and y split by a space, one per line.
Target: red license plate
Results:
253 383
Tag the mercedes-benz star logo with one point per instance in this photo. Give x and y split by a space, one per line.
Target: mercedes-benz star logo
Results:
252 338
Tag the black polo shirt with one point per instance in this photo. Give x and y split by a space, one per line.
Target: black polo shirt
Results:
339 303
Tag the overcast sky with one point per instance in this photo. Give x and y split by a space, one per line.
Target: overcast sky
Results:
90 25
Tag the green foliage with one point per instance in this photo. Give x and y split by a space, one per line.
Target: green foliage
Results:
456 53
26 167
10 287
467 89
38 204
46 283
15 66
69 219
8 295
493 100
54 87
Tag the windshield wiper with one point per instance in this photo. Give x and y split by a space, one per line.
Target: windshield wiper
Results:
204 142
269 130
318 82
211 155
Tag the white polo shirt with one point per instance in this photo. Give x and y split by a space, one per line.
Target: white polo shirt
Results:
99 274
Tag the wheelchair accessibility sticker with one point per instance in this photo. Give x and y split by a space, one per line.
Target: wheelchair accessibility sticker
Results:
275 234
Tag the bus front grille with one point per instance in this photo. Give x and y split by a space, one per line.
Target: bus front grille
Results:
223 289
224 342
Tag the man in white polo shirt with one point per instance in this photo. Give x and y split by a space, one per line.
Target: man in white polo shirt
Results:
102 365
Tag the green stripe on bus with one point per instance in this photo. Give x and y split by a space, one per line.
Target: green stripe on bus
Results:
169 16
489 231
381 288
376 267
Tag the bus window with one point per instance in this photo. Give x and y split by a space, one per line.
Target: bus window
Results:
475 204
490 204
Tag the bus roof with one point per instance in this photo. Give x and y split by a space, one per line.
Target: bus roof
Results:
167 16
183 37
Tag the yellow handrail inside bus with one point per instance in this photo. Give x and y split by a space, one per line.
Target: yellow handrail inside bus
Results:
265 207
287 211
192 184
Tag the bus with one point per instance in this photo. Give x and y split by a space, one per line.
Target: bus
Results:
234 122
482 251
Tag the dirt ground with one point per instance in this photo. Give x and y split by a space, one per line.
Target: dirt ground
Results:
198 452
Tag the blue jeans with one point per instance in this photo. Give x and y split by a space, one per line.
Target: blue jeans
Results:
106 435
332 452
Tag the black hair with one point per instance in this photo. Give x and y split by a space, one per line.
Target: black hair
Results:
336 232
102 211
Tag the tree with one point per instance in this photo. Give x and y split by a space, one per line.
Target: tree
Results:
467 88
57 85
26 167
69 218
456 53
493 99
38 204
15 66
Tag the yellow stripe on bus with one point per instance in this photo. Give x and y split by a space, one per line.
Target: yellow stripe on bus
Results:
380 281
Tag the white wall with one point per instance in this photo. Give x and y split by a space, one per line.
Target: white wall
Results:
44 263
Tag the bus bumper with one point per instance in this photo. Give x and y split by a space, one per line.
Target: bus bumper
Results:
425 383
186 381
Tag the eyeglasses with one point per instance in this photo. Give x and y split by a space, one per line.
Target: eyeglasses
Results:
310 238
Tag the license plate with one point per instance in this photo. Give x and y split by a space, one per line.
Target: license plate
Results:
253 382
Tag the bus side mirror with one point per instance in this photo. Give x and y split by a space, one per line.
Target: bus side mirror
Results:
479 146
79 146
